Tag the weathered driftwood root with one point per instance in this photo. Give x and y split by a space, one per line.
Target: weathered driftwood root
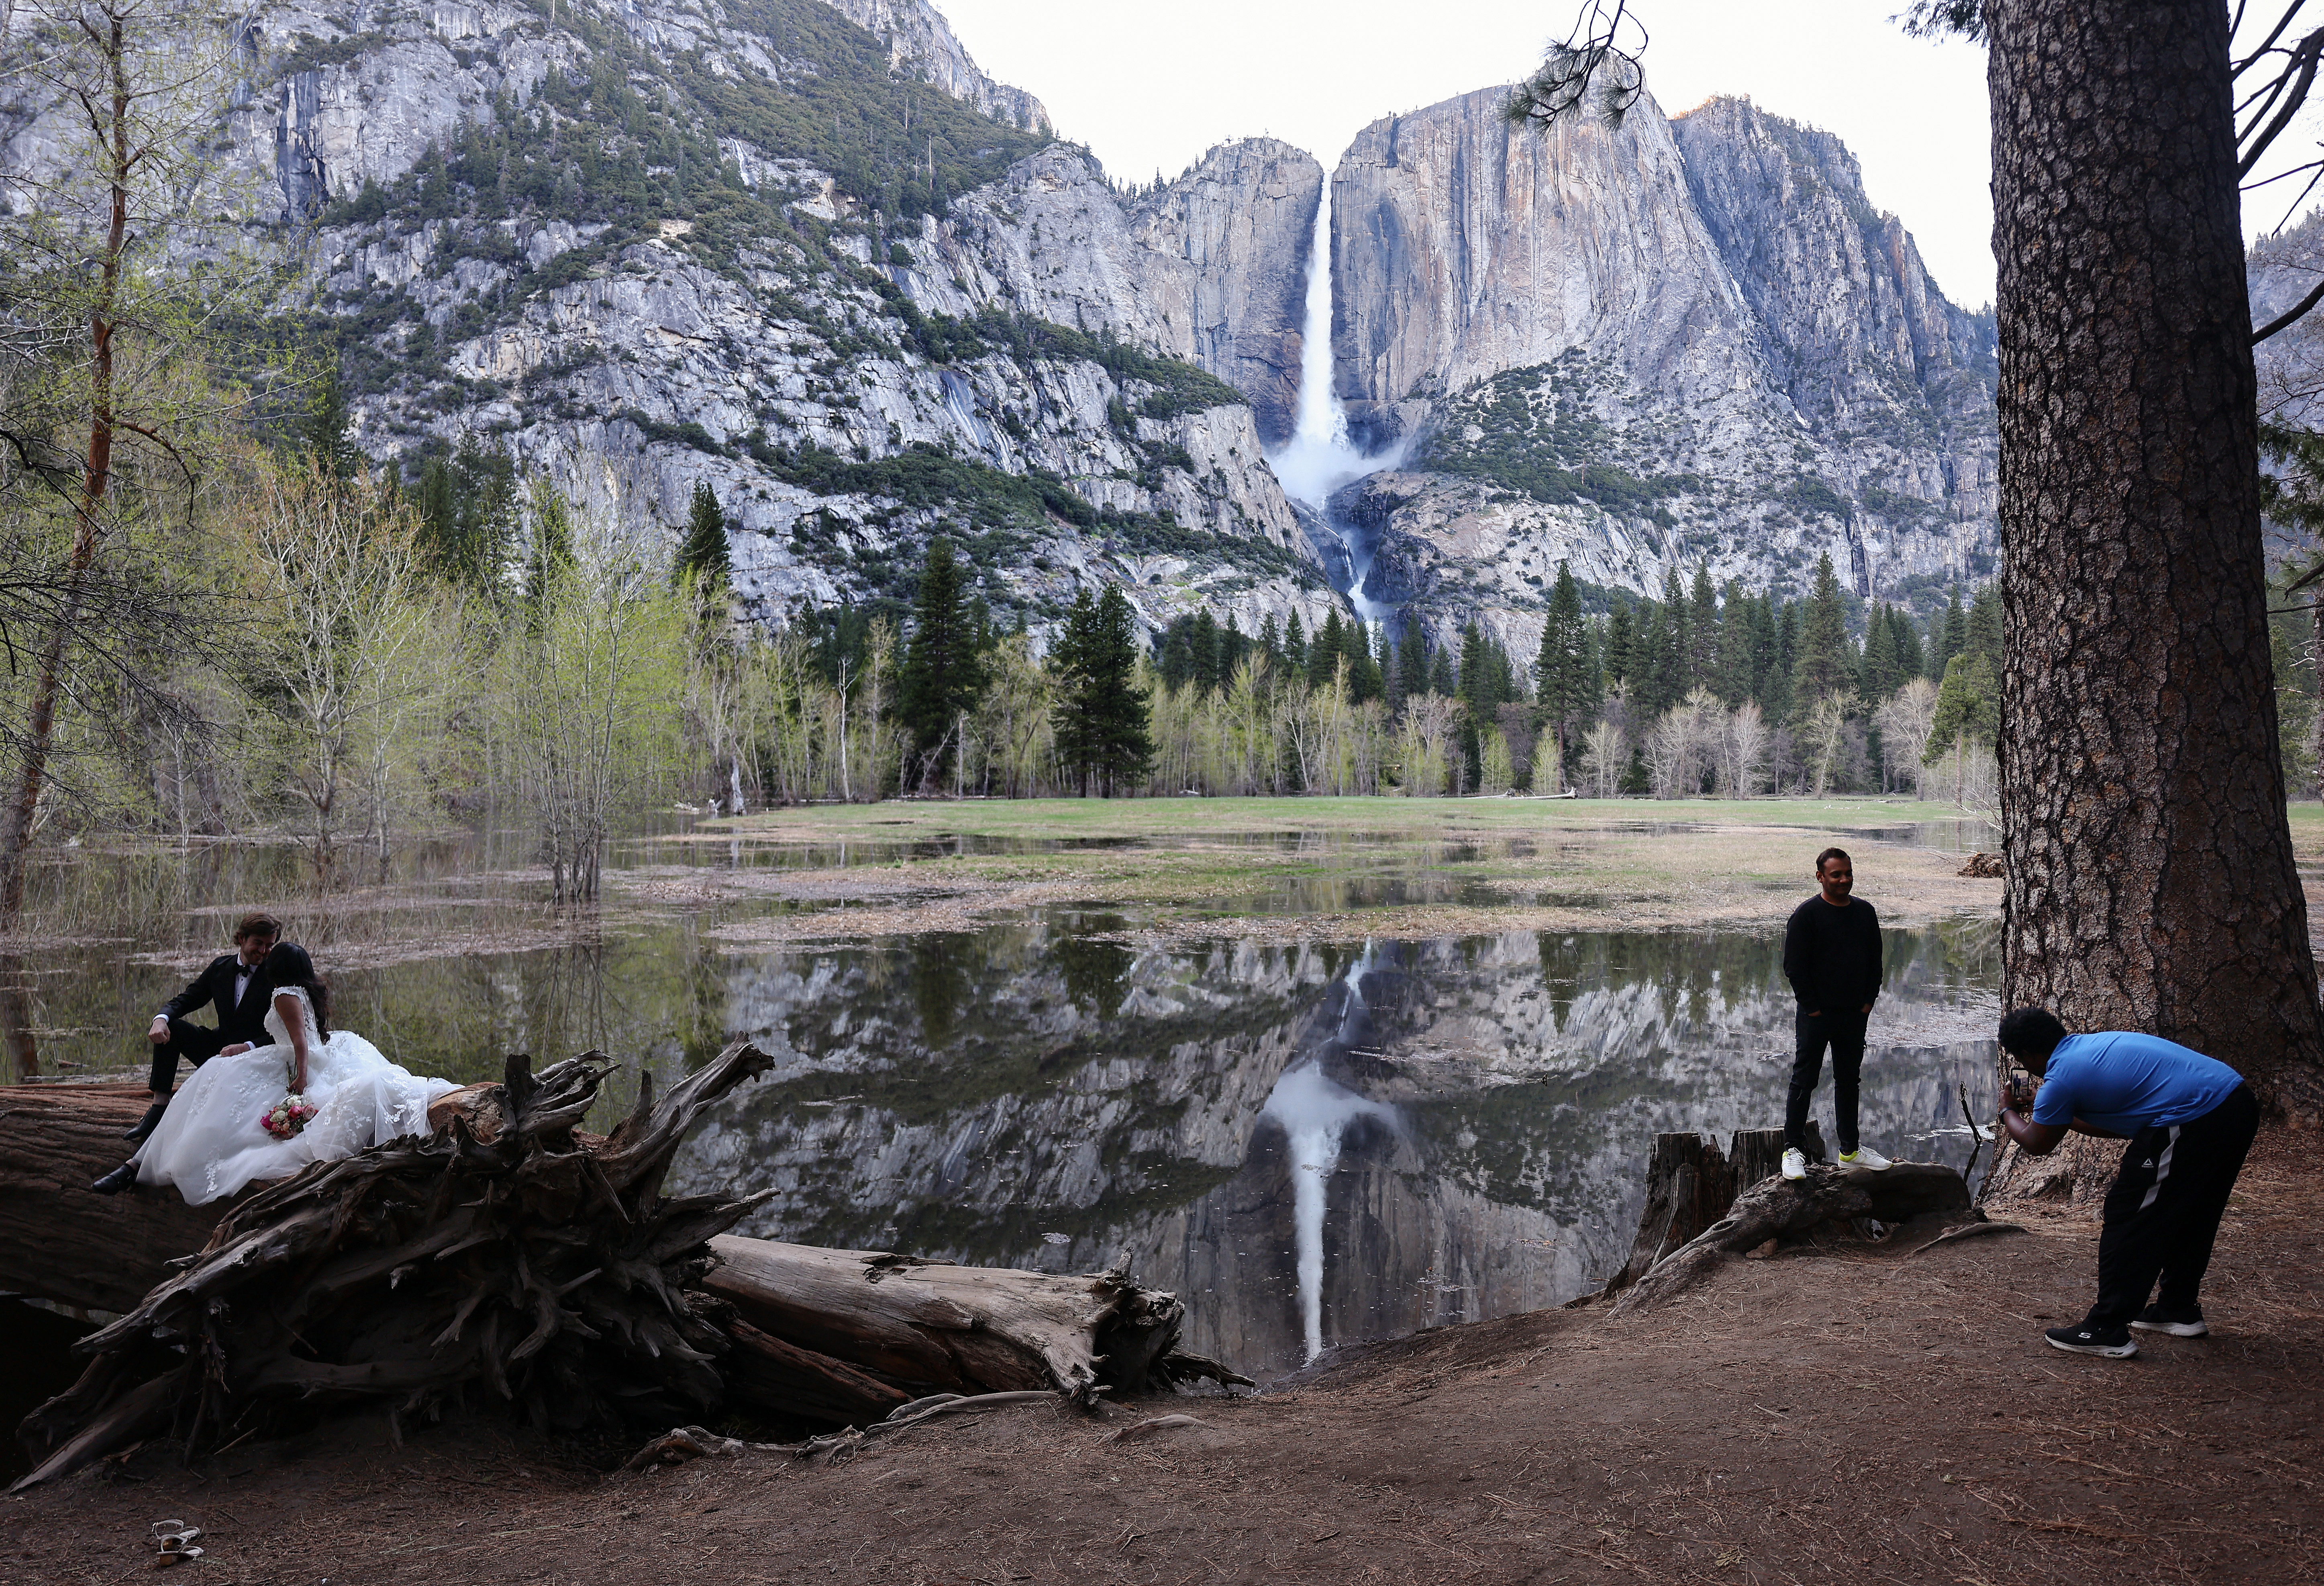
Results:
508 1257
539 1267
1774 1207
886 1329
59 1242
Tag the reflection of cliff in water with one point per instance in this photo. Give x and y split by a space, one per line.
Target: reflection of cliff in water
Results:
1469 1119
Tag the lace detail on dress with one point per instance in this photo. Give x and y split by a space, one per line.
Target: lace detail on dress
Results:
211 1142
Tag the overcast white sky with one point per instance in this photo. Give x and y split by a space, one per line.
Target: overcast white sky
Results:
1151 85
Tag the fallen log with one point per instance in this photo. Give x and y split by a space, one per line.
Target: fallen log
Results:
1776 1207
929 1327
59 1242
542 1269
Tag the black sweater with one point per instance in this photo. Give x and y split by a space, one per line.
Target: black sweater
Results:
1831 955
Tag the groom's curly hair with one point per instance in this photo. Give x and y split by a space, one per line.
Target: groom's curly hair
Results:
289 965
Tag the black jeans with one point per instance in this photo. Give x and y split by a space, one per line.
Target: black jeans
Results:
1841 1029
196 1043
2163 1211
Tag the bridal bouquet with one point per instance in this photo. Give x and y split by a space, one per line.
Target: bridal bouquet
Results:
287 1117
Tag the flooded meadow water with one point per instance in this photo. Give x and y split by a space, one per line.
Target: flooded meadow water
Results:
1311 1141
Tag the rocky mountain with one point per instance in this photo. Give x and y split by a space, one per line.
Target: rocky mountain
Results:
1682 340
921 45
806 251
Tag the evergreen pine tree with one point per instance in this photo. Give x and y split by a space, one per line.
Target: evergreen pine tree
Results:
1882 672
1176 666
1560 673
1324 655
1730 672
1780 693
1103 733
1441 680
1673 674
1956 638
1270 641
1204 640
1822 667
1984 628
1908 644
1295 645
1763 642
702 557
1621 641
1676 650
944 673
1411 658
1363 671
1702 630
325 431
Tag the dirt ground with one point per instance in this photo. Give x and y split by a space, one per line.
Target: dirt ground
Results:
1872 1416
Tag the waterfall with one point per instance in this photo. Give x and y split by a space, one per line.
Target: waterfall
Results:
1321 456
1314 1113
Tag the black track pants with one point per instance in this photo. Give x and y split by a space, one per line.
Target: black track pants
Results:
2163 1211
1843 1031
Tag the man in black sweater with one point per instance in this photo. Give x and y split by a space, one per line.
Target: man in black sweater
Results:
1832 957
226 987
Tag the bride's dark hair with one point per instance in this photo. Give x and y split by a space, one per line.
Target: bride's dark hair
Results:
286 964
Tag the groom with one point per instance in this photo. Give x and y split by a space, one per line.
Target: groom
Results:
229 986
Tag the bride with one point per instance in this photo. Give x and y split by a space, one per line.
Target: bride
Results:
214 1138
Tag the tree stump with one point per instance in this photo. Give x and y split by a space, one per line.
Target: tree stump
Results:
1774 1207
1689 1187
1753 1154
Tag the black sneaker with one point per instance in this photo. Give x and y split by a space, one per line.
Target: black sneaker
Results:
2114 1342
2186 1324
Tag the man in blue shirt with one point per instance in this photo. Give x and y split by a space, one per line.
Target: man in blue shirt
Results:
2189 1120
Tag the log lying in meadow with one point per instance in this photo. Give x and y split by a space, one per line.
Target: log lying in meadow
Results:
509 1258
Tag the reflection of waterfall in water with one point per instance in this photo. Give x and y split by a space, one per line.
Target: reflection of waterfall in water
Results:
1315 1113
1322 456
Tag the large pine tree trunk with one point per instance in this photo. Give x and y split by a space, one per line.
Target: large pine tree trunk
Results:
2151 878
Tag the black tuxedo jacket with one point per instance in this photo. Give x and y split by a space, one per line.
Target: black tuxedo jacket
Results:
215 986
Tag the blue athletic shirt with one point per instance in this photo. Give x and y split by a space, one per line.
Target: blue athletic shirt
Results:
2126 1082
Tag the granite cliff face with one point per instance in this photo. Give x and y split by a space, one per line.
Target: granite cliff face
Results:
1636 349
807 252
920 43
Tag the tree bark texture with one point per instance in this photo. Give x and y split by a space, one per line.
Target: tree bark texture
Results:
2151 884
59 1242
1776 1207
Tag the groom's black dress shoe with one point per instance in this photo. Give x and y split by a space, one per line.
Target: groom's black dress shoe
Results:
119 1180
146 1125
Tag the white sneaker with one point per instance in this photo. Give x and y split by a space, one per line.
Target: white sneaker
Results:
1795 1165
1865 1156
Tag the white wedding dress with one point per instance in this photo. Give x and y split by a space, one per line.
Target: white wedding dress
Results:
211 1142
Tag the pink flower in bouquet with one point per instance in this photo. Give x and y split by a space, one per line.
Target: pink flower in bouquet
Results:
287 1117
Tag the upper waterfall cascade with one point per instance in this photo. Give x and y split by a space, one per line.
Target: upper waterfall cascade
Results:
1322 456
